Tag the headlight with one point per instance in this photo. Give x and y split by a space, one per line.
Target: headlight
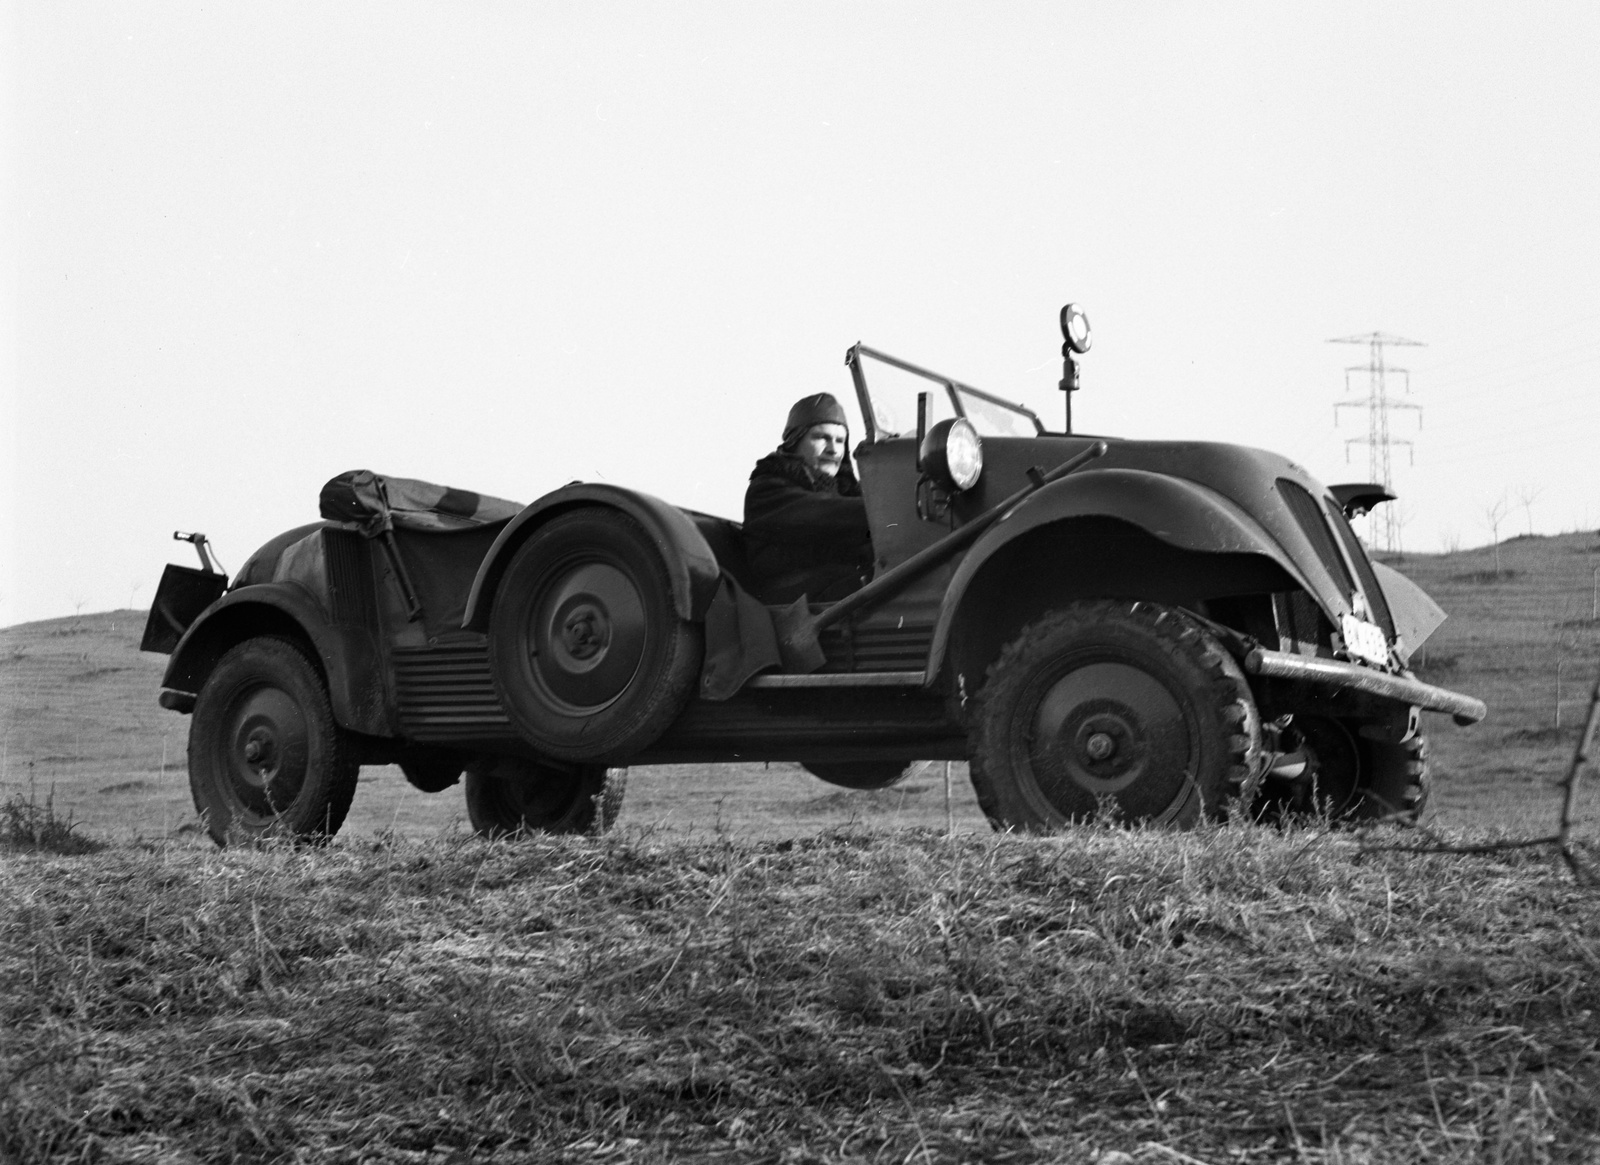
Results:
952 454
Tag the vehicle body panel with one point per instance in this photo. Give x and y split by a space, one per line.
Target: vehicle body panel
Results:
1180 513
347 656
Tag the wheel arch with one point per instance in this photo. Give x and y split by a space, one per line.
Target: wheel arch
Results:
345 658
1114 533
691 565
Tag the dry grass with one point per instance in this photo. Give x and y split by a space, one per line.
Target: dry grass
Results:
26 823
1235 994
743 979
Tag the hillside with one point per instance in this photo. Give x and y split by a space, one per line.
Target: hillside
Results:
1513 638
78 715
733 975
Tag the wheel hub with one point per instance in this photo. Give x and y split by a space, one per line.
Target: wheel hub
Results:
1107 729
1100 746
587 636
586 632
269 756
261 751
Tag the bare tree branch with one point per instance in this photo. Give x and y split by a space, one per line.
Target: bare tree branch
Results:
1495 514
1527 495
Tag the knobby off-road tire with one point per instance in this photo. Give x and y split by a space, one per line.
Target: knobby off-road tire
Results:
511 795
590 659
1355 779
1110 704
266 757
859 774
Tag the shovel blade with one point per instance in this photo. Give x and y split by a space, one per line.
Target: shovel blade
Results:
797 638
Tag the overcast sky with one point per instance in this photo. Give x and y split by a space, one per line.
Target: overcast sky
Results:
504 246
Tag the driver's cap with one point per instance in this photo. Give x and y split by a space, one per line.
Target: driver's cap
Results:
820 409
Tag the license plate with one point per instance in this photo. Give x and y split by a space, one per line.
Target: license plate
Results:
1364 640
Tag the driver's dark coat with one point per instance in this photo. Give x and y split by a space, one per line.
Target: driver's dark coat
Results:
804 533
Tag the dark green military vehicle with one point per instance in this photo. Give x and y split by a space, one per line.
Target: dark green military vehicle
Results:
1153 629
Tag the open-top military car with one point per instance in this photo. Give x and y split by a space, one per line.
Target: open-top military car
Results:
1148 628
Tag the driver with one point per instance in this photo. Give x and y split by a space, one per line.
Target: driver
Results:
805 525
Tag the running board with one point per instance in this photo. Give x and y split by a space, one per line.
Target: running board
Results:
855 679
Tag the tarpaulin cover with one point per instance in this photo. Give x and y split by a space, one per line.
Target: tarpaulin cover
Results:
377 503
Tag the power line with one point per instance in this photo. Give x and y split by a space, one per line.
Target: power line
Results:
1383 530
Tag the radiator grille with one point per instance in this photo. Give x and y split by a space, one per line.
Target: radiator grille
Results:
447 694
349 578
1369 580
1309 516
1299 622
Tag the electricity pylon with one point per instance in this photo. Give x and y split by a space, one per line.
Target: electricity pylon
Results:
1383 526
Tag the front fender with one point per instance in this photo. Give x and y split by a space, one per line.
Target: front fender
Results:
691 566
1180 513
348 657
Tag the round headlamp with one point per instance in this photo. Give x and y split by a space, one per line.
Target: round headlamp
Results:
952 454
1075 328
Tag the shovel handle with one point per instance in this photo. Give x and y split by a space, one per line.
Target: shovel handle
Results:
930 556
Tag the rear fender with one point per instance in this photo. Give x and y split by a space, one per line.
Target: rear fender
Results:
691 566
1175 513
346 656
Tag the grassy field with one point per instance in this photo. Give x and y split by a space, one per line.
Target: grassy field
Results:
1515 637
758 967
1234 994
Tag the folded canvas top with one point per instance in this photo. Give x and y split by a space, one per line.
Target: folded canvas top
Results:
377 503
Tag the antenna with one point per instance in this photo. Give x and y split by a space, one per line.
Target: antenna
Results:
1383 526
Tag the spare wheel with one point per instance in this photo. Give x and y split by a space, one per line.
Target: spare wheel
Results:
590 659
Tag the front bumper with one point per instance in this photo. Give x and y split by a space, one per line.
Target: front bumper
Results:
1337 673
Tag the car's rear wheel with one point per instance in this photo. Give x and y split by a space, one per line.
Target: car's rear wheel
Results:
1111 708
590 658
859 774
266 757
509 795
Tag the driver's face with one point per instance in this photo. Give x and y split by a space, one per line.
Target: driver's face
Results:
822 449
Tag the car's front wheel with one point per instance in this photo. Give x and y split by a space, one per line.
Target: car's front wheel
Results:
1350 778
1123 709
508 795
266 757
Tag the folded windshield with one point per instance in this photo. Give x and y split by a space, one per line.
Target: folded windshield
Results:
889 403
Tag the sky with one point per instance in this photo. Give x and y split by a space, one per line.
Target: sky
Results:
503 246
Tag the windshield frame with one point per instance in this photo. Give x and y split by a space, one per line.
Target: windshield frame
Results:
953 387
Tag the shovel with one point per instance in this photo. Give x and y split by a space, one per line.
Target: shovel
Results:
797 627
